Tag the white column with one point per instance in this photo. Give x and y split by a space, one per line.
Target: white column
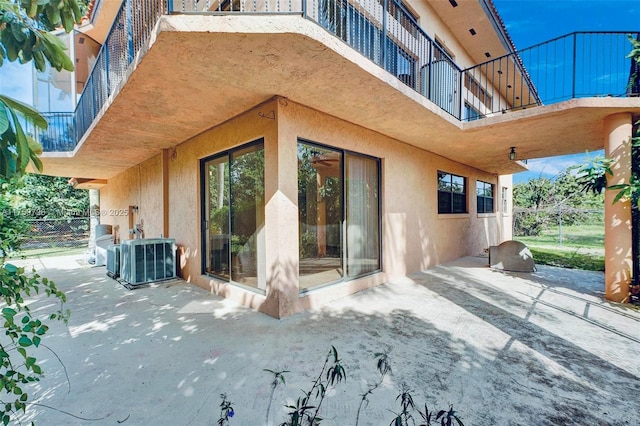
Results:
94 215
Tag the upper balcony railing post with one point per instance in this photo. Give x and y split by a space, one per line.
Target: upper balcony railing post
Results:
383 42
130 46
106 70
573 78
460 97
169 6
304 8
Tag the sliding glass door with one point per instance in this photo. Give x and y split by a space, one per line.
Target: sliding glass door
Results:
320 215
217 239
363 215
233 214
339 215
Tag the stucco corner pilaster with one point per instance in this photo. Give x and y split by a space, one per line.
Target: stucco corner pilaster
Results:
618 233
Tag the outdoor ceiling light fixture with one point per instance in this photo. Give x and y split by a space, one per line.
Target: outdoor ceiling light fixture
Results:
513 156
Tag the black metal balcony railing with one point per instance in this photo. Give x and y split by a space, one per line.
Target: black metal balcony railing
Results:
576 65
61 134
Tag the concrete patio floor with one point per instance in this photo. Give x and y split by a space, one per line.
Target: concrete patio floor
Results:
504 348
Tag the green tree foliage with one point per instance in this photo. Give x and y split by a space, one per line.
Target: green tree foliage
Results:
48 197
12 224
25 27
543 201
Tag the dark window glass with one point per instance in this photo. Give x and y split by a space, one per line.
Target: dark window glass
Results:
452 193
233 214
484 197
339 215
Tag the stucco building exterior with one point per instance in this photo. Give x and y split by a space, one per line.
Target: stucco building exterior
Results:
302 151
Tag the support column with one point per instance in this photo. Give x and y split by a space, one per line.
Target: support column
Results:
617 217
165 192
94 214
281 214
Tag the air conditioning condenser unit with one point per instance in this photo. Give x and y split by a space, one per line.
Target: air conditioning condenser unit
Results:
113 260
147 260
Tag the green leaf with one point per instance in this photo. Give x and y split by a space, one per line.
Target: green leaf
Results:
77 13
37 163
22 145
17 30
8 312
53 13
31 114
34 146
10 46
618 186
4 118
618 196
24 341
36 341
39 61
10 268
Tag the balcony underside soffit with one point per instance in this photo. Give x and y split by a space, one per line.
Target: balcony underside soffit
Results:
203 70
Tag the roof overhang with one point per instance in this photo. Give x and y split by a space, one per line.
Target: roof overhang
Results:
201 71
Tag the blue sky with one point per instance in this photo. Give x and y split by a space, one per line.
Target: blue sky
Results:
533 21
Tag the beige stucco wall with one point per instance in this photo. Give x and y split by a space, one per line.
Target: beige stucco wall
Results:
184 191
139 186
415 236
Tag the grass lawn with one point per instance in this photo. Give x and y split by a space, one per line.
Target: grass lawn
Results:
581 236
567 259
582 247
48 252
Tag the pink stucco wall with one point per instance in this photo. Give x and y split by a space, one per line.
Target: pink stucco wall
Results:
414 236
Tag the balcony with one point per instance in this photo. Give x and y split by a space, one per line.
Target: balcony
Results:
385 33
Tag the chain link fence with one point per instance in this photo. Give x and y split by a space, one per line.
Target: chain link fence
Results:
62 232
562 224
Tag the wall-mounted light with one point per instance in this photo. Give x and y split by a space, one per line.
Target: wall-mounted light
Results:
513 156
